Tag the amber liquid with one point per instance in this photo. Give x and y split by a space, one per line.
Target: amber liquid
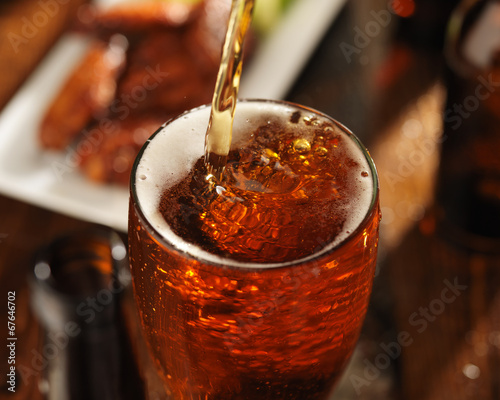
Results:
219 132
248 332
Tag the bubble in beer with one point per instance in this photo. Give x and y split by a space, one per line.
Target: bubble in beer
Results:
279 174
321 151
311 120
301 145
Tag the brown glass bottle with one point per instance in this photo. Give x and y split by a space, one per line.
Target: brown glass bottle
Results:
78 288
468 179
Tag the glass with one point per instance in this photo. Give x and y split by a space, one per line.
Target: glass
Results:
273 320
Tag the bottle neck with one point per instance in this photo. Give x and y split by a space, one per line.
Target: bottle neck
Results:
468 181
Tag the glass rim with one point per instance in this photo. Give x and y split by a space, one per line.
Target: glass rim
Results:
256 266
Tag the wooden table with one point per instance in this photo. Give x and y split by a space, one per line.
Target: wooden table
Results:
433 330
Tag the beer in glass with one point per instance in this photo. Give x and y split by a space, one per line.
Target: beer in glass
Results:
255 286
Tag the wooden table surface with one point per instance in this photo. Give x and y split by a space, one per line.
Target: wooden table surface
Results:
433 330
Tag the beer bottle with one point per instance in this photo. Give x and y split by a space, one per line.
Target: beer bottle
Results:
468 181
78 285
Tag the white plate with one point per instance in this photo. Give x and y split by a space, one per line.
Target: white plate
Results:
49 180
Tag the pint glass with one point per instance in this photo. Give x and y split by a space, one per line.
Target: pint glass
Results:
257 290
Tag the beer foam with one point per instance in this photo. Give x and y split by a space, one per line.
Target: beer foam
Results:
173 151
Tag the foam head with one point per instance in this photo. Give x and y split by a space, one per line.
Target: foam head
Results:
172 152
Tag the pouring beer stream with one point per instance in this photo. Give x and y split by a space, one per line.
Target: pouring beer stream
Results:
219 131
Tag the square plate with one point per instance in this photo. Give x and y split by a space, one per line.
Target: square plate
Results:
31 174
